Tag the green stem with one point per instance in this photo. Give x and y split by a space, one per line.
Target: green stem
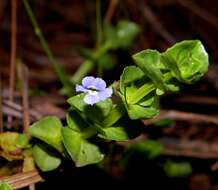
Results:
57 67
88 65
101 50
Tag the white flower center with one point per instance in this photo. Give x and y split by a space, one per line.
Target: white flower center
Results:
92 92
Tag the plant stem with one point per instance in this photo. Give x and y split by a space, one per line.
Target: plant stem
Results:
88 65
111 10
13 55
57 67
23 75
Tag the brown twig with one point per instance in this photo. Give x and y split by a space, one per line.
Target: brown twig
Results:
9 111
194 148
23 75
110 12
12 105
183 116
13 54
212 75
22 179
155 23
213 101
16 110
199 12
35 112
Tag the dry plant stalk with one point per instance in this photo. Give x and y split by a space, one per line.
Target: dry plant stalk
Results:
182 116
23 75
22 179
111 10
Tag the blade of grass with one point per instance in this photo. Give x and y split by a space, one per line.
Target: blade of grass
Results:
57 67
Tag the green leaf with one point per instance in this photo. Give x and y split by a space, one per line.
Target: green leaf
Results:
140 93
177 169
48 129
116 113
150 148
129 75
86 53
122 35
8 144
105 61
77 102
5 186
149 100
44 158
142 107
149 62
116 133
136 111
187 60
110 34
22 141
136 93
8 141
165 122
75 121
99 111
81 151
96 113
126 33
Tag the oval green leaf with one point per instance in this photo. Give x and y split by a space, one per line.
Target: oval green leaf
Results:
149 62
187 60
116 133
81 151
45 159
48 129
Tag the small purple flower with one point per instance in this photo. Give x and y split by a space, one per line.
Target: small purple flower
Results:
95 88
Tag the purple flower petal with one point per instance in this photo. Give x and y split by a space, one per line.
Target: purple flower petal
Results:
91 99
99 84
87 82
80 88
107 93
95 88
